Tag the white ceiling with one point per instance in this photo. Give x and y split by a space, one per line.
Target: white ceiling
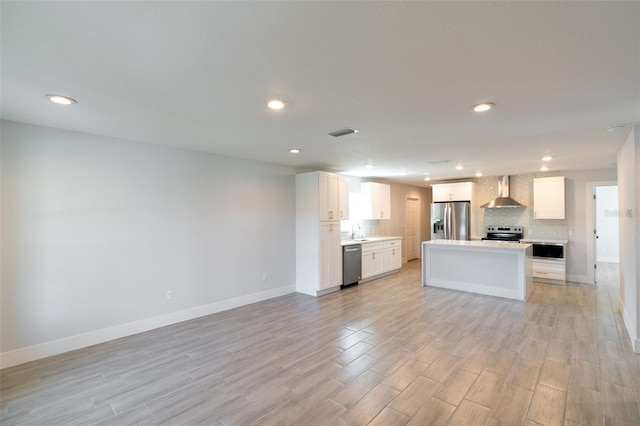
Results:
197 75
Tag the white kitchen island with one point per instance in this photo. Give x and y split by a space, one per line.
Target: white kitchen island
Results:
494 268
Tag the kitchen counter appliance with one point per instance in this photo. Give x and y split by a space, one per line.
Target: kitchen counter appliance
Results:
351 264
504 233
548 250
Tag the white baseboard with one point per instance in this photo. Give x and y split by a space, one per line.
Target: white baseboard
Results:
55 347
631 330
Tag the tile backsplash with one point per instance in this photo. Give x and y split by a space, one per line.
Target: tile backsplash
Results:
521 190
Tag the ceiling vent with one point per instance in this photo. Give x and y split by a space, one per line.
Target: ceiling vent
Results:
503 201
342 132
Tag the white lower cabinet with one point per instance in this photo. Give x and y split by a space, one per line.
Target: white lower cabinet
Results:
330 255
381 257
549 270
372 260
392 255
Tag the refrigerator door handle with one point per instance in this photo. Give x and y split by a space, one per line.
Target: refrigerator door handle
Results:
447 221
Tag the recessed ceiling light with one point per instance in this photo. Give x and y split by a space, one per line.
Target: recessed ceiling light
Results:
615 128
485 106
459 167
478 174
427 178
276 104
544 168
61 100
370 166
547 158
295 150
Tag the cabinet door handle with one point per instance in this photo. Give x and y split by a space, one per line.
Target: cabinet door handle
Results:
331 227
341 213
381 215
393 251
330 214
373 256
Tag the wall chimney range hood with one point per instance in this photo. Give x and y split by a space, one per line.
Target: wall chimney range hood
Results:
503 201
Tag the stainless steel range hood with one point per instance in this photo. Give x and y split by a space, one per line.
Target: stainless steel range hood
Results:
503 201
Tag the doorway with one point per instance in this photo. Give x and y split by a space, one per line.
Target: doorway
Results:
603 241
412 228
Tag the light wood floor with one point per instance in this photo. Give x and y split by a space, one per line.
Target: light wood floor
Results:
388 352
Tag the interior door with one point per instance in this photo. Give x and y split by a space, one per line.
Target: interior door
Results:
605 232
412 228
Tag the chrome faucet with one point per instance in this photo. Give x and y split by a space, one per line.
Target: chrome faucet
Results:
353 230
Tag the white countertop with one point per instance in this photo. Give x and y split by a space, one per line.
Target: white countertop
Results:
544 240
505 245
366 240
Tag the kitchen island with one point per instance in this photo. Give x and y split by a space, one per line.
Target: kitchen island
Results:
500 269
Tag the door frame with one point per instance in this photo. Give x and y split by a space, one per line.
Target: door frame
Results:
406 237
590 225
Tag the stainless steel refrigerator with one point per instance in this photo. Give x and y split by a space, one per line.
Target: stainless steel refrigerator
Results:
451 221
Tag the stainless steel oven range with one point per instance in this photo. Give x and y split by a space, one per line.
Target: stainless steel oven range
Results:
503 233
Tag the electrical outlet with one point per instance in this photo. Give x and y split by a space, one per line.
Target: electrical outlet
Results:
265 277
169 294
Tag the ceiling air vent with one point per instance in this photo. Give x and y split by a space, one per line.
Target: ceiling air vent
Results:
342 132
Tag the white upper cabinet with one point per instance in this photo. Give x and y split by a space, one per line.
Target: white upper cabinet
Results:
376 200
548 198
328 193
343 199
461 191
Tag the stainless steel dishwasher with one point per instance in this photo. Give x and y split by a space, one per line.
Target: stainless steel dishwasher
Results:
351 264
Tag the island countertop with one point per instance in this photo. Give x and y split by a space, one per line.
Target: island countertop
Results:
503 245
493 268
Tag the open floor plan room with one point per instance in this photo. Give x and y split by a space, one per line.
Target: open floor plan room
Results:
385 352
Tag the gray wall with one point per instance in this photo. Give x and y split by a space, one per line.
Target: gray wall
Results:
96 230
629 208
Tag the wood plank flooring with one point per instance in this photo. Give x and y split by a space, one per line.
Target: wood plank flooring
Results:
388 352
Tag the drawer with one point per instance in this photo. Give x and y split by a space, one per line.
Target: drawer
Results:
548 266
368 248
550 275
392 243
